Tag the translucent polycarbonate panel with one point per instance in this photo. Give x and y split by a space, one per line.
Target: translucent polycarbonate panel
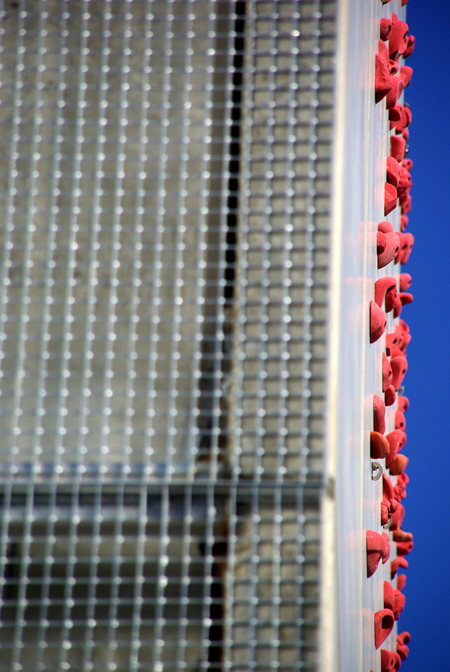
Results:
114 141
163 332
283 244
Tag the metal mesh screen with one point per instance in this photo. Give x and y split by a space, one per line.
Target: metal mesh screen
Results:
165 195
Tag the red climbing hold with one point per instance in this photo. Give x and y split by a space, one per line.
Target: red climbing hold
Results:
410 47
379 414
390 661
405 282
383 83
390 198
378 548
385 29
385 291
379 446
378 322
384 623
403 404
399 464
397 146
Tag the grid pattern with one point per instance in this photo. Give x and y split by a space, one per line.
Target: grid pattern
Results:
165 190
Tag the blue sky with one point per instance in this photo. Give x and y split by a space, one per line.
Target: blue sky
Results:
427 384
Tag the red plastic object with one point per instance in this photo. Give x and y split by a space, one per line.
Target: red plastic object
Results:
395 92
400 420
393 171
385 291
404 180
385 29
401 581
410 46
403 219
405 203
384 623
400 488
390 661
396 439
402 299
403 335
399 464
378 548
405 281
378 322
404 547
385 227
402 640
390 396
399 366
404 122
406 298
379 414
398 562
388 595
400 535
391 248
383 83
408 164
406 245
399 603
391 342
390 198
405 75
397 516
403 404
398 38
398 145
386 373
389 504
395 114
381 242
379 446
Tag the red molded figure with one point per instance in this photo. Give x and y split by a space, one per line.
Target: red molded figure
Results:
383 82
398 145
378 322
389 504
400 420
379 446
390 661
385 29
410 47
385 291
391 341
399 464
402 640
384 622
403 404
398 38
379 414
405 282
398 562
390 198
386 373
378 548
397 440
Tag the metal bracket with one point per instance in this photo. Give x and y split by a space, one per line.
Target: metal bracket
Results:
377 471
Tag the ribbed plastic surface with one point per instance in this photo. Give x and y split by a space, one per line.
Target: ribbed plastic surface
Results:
165 185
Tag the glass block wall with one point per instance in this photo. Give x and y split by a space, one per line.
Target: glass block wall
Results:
165 187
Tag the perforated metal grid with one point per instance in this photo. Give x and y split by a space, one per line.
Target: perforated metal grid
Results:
165 217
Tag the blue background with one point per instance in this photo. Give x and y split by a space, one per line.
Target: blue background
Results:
427 612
